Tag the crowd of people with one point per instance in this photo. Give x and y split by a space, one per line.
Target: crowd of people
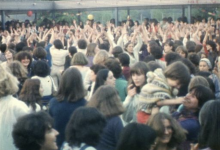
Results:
136 86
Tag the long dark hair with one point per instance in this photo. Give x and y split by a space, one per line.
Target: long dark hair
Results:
30 92
101 77
71 86
210 122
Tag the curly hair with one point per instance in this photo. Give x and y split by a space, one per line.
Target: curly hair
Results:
30 92
8 83
41 68
29 131
178 135
85 126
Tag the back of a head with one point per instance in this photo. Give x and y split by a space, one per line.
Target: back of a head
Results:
105 46
29 131
3 48
117 51
72 50
152 65
124 59
136 137
71 86
58 44
85 126
178 71
39 53
198 80
79 59
114 66
100 57
157 52
96 68
172 57
190 46
41 68
210 122
20 46
82 44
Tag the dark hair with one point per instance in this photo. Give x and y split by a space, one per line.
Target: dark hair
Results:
178 135
190 46
3 48
41 44
30 92
82 44
124 59
136 136
101 77
177 43
210 122
190 65
22 55
85 126
41 68
27 49
29 131
117 51
11 46
96 68
178 71
39 53
107 101
58 44
72 50
212 44
152 65
114 66
71 86
194 58
104 46
172 57
149 58
157 52
203 94
170 43
20 46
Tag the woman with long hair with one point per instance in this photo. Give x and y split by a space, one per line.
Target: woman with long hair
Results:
70 96
19 71
26 60
92 49
107 101
169 133
31 94
138 79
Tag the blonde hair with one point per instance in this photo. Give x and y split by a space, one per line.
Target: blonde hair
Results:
8 83
100 57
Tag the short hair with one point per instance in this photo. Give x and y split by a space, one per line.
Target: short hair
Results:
203 94
58 44
198 80
39 53
82 44
30 92
136 136
79 59
107 101
85 126
117 51
71 86
190 46
178 135
72 50
41 44
212 44
149 58
20 46
172 57
11 46
152 65
124 59
91 49
100 57
96 68
170 43
8 83
104 46
27 49
194 58
29 131
177 43
101 77
210 122
41 68
178 71
114 66
157 52
182 49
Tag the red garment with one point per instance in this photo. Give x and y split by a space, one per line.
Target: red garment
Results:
142 117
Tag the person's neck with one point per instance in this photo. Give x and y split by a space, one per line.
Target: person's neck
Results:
9 60
161 146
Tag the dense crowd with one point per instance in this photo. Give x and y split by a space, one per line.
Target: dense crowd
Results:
136 86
